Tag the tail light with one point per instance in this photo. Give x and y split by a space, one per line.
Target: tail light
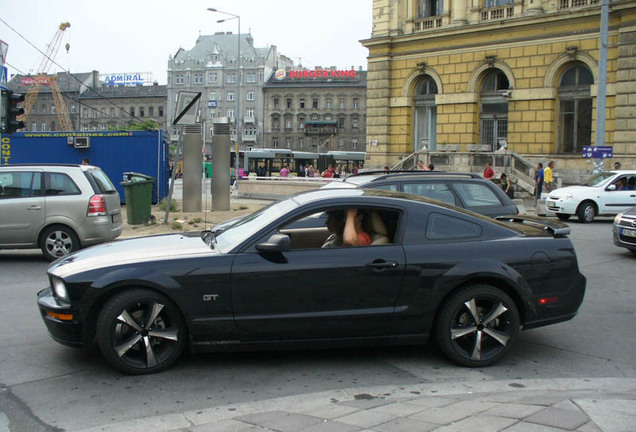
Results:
97 206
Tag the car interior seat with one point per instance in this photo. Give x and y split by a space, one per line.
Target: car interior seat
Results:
380 233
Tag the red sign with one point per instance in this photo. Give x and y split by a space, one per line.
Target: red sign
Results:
323 74
34 81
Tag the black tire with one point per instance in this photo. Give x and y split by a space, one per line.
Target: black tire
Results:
477 325
140 331
586 212
58 241
563 216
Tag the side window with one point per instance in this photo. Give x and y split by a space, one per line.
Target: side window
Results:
476 195
443 227
438 191
387 187
20 184
60 184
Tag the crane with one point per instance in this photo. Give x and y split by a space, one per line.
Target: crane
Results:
42 78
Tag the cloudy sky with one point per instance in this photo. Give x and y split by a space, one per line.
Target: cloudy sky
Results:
116 36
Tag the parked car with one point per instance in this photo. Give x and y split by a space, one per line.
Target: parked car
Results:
57 208
465 190
470 281
624 229
601 195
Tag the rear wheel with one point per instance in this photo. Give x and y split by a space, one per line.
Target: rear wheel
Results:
58 241
586 212
563 216
477 325
140 332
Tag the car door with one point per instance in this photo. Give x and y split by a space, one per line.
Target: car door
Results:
22 206
318 293
615 201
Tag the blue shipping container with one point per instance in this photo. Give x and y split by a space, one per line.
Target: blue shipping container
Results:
115 152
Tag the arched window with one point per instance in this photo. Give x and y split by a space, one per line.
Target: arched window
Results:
425 125
575 109
494 109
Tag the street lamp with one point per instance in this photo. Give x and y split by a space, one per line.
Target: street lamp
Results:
238 93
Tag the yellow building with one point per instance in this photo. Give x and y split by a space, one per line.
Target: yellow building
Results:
479 75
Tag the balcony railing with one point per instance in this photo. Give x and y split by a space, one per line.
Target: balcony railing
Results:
498 13
249 138
428 23
248 120
571 4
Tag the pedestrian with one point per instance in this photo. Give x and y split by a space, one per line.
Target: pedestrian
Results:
386 169
538 181
431 167
489 173
421 166
284 172
617 165
310 171
547 177
85 161
506 186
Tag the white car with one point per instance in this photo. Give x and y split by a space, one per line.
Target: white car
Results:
606 194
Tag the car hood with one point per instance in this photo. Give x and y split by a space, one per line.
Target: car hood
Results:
130 251
575 191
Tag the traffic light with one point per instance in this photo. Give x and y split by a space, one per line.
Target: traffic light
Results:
11 111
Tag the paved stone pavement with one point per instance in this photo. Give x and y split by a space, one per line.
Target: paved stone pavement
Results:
550 405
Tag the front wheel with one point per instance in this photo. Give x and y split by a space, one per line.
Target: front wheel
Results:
477 325
586 212
140 332
58 241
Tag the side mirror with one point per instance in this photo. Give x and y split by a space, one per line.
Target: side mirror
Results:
611 187
276 243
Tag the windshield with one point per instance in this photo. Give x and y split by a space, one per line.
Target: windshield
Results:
244 228
599 178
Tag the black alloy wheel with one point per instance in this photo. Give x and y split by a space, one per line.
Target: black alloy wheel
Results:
140 332
58 241
477 325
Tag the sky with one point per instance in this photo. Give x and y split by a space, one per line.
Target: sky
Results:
117 36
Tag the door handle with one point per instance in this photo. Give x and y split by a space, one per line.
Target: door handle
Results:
380 265
34 207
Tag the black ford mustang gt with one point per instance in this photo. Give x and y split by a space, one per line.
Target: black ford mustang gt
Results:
264 282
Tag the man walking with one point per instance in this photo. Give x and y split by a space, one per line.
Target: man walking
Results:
538 181
547 177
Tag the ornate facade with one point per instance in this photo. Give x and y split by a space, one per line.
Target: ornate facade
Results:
486 74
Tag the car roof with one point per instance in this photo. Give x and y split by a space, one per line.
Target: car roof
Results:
373 176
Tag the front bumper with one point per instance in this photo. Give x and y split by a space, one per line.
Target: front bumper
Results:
621 239
63 331
558 205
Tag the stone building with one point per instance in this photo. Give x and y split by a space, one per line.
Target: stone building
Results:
211 67
92 104
484 74
316 110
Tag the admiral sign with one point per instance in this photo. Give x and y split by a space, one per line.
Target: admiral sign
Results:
126 79
322 73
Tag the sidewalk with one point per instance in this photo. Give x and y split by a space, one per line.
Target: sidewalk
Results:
550 405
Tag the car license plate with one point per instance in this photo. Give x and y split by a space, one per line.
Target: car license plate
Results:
628 232
549 203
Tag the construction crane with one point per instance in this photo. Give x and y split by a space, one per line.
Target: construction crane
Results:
42 78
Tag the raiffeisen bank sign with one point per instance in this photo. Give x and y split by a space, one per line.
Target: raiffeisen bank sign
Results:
281 74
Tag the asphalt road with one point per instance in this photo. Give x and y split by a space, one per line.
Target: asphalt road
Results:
45 386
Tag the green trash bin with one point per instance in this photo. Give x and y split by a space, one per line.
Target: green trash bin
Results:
138 192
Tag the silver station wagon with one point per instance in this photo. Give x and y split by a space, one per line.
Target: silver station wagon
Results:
57 208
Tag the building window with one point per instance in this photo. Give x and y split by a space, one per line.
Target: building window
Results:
275 103
275 124
575 109
288 124
301 123
354 144
53 109
289 103
142 111
212 114
356 103
151 111
34 126
230 113
354 123
160 111
275 142
132 111
341 103
212 96
112 112
429 8
251 96
341 122
231 78
178 79
249 113
494 108
198 78
425 119
230 96
213 78
302 102
315 103
43 126
94 113
494 3
328 103
251 77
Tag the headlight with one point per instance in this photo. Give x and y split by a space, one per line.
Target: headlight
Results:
60 289
618 218
567 196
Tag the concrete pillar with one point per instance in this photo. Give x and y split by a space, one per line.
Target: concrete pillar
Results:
459 15
221 164
192 171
